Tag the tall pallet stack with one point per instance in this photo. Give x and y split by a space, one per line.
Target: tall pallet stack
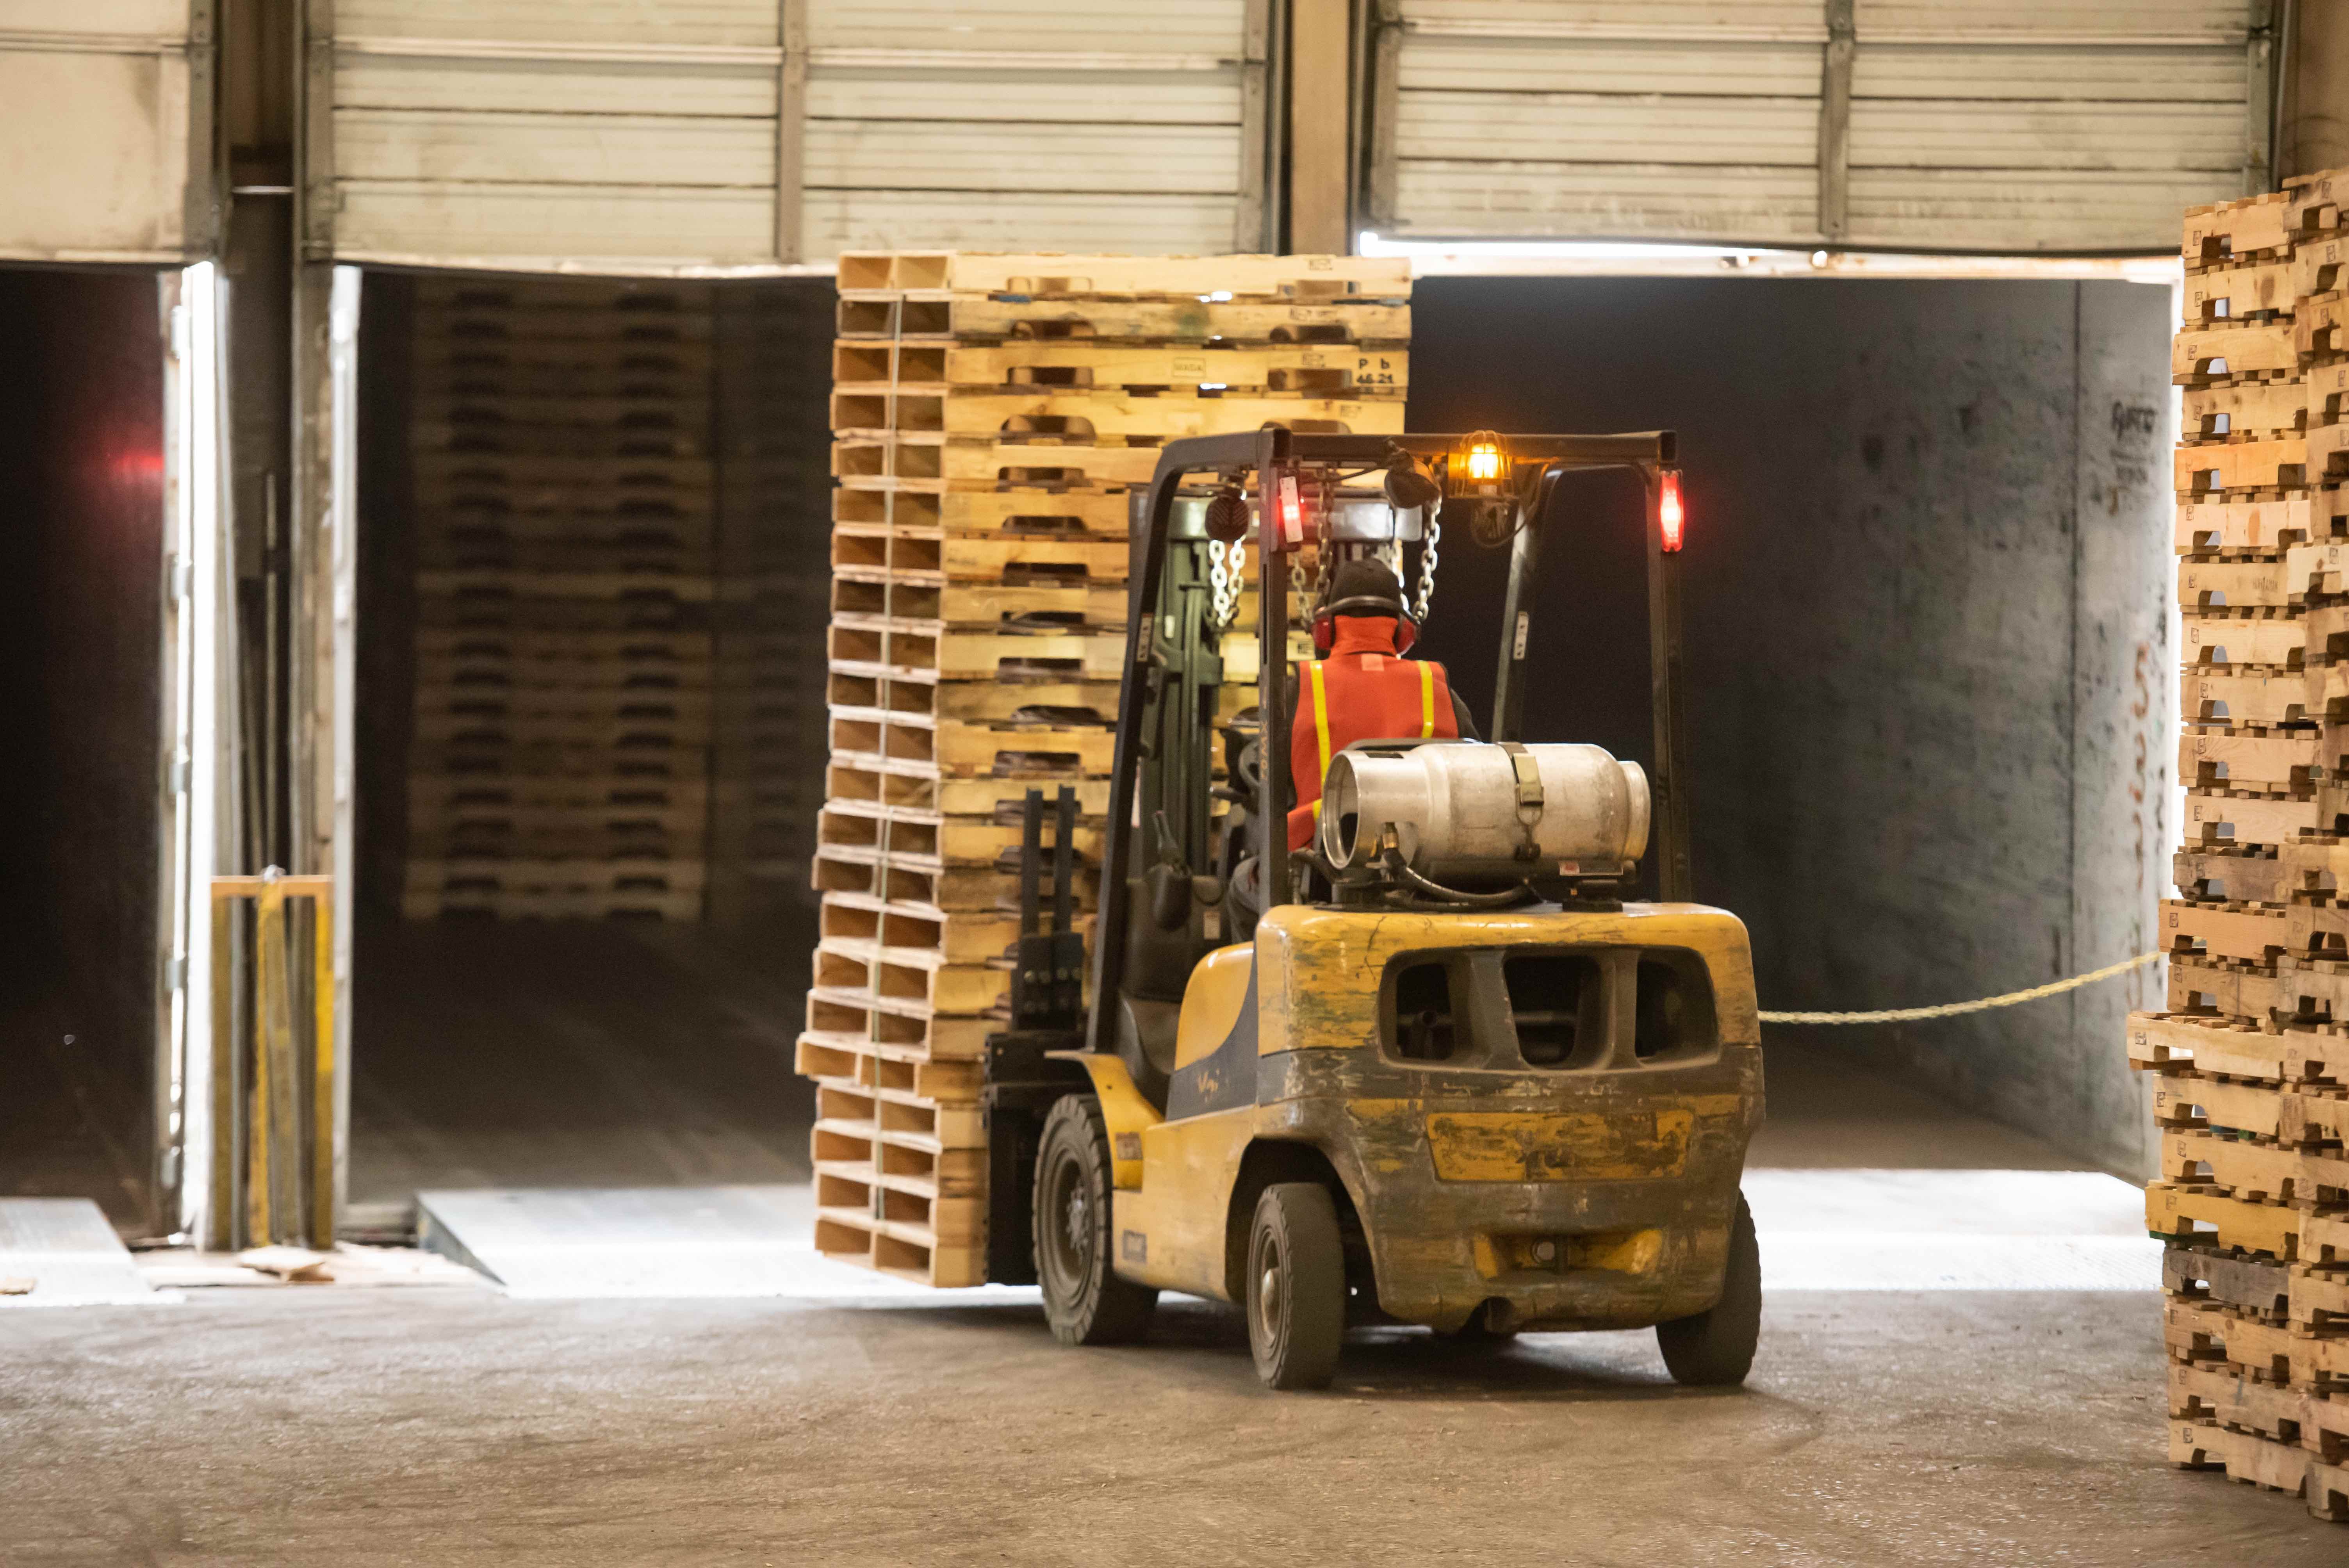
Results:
563 488
991 415
2251 1061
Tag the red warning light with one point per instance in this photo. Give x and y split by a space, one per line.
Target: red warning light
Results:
1669 515
1292 513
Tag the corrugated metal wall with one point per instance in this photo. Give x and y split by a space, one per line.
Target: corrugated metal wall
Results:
1966 125
611 134
100 102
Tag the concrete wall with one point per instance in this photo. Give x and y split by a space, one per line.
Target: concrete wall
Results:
81 518
1927 621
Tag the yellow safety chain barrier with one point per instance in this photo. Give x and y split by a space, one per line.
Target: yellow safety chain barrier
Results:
1951 1009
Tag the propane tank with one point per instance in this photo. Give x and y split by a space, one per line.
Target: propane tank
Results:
1468 812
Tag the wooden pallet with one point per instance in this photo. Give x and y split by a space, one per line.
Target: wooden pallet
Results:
872 552
1010 656
945 370
1108 416
864 869
2219 295
914 979
2313 201
849 1021
936 608
880 1067
2278 464
2317 262
933 464
2255 1460
930 840
973 318
563 796
2200 355
2265 1229
914 933
2242 820
2235 638
871 272
621 873
622 648
877 693
2236 232
476 761
2245 1286
2259 409
445 477
1075 519
922 788
1043 752
2237 584
2239 698
2255 1170
497 676
472 904
2248 527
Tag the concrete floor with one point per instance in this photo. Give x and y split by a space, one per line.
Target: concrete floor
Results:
576 1054
454 1425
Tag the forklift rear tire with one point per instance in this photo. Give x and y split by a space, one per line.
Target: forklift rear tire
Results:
1085 1302
1296 1286
1715 1348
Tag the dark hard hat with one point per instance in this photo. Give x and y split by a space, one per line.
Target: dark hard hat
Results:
1363 579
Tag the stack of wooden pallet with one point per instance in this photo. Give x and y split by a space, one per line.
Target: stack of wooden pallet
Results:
562 493
991 415
2252 1058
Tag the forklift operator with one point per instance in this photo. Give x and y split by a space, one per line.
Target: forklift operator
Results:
1363 688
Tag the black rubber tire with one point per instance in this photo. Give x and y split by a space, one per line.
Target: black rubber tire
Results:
1085 1302
1715 1348
1295 1288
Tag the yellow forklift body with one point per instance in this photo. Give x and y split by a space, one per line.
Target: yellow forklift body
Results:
1581 1196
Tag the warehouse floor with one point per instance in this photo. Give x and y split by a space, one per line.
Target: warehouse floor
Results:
451 1426
595 1054
454 1425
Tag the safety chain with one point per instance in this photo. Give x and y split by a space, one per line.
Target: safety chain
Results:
1225 576
1426 568
1951 1009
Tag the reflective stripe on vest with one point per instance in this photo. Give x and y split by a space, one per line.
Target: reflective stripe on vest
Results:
1426 704
1321 731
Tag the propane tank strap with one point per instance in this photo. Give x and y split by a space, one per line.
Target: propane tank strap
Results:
1529 798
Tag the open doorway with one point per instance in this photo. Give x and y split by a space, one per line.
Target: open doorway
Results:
82 675
590 732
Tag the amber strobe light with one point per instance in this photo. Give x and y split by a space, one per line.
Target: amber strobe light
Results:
1670 518
1482 459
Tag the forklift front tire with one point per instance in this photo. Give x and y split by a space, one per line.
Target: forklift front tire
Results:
1296 1286
1715 1348
1085 1302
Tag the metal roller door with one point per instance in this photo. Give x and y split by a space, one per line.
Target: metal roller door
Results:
1014 125
639 135
1995 126
106 111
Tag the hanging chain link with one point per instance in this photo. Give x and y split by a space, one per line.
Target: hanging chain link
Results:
1225 576
1426 569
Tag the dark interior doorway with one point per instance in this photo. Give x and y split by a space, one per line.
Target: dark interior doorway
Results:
81 591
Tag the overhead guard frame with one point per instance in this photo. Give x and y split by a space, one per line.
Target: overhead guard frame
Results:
1275 447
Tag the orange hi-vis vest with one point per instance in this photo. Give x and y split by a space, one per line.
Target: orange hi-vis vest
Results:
1362 691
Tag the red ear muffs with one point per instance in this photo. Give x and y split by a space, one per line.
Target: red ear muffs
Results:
1325 624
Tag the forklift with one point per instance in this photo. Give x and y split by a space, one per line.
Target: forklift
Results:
1442 1067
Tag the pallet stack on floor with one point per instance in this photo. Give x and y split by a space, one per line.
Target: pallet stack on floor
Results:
991 415
2251 1061
562 491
